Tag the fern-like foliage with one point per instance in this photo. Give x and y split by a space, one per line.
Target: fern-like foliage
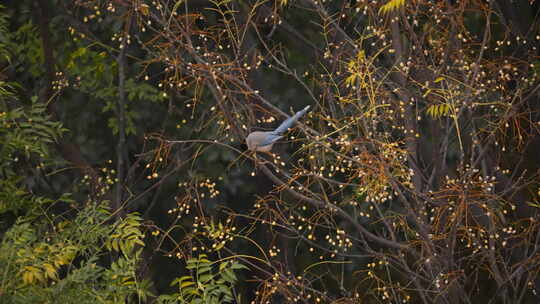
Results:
26 135
25 132
82 255
42 262
208 283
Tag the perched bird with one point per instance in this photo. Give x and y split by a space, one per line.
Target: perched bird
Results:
263 141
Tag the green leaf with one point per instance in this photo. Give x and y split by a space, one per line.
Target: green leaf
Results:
205 278
237 265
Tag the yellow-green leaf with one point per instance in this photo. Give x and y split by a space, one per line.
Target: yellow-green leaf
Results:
391 6
50 271
186 284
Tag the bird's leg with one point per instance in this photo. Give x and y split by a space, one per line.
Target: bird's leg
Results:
258 162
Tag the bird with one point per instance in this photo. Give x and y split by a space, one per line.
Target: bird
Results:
263 141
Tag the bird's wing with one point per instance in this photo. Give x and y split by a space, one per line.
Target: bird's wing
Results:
285 125
269 139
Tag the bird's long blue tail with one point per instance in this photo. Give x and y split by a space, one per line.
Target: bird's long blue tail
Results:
285 125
